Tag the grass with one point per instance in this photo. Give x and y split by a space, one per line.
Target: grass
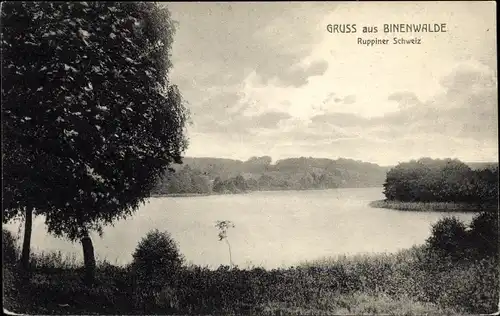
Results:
431 206
363 304
410 282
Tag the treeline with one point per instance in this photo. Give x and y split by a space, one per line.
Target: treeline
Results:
441 180
183 181
237 184
194 181
216 175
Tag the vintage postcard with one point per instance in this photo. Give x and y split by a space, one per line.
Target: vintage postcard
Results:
250 158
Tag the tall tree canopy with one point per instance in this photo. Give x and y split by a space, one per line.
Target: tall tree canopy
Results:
89 117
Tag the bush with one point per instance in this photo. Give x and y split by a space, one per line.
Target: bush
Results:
469 286
155 268
483 236
449 238
156 259
10 250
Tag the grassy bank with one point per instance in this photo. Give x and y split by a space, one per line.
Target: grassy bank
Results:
411 282
432 206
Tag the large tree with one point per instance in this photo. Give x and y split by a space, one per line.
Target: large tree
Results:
90 118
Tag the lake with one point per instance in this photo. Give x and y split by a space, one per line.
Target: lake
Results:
272 229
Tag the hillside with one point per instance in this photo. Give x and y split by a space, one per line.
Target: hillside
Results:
206 174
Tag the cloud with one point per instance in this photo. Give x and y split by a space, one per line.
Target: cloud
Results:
234 38
218 46
298 75
328 97
466 115
220 104
269 119
243 124
405 99
340 119
467 108
267 79
350 99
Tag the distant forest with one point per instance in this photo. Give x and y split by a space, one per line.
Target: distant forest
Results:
405 182
218 175
442 180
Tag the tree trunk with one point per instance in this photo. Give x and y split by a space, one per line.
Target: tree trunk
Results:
28 225
230 254
88 259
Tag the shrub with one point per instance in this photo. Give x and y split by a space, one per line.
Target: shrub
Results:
448 237
155 266
483 236
53 260
469 286
10 250
156 258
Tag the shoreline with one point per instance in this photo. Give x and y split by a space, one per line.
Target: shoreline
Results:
159 195
179 195
433 206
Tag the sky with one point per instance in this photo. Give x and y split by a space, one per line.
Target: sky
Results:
269 79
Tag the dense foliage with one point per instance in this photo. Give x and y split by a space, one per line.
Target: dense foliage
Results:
483 237
156 255
435 180
10 252
182 181
217 175
89 118
232 185
156 265
451 238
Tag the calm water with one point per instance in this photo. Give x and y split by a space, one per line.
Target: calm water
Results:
272 229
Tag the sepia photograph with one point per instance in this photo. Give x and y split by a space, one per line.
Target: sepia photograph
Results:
250 158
